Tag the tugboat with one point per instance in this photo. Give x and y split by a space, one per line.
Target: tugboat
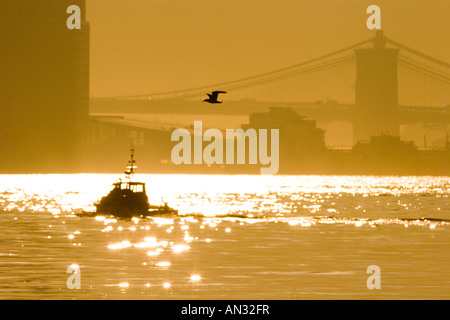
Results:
129 199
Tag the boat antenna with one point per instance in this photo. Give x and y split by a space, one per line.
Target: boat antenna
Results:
131 164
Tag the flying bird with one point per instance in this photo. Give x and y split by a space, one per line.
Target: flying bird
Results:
213 97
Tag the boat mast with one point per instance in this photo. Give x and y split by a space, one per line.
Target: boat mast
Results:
130 167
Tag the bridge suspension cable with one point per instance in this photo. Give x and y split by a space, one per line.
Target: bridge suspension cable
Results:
313 66
423 82
427 71
417 53
235 83
284 76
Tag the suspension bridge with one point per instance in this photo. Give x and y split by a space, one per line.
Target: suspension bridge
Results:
376 85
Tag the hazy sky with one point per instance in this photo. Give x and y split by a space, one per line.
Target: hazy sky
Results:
145 46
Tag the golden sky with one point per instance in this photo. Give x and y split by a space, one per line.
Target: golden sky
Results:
145 46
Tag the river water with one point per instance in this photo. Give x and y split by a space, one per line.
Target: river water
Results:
237 237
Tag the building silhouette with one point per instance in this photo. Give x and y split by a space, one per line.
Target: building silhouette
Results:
44 86
301 142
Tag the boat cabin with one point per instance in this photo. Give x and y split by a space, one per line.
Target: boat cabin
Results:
135 187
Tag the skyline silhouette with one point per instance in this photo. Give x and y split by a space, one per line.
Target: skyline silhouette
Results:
47 124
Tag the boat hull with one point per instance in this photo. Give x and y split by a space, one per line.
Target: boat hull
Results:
127 212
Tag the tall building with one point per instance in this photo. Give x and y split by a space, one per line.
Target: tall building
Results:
44 86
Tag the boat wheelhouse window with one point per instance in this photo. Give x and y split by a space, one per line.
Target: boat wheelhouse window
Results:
137 188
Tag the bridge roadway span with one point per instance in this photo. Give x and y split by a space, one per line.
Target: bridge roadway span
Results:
328 111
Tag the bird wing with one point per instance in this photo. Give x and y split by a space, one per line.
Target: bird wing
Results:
214 94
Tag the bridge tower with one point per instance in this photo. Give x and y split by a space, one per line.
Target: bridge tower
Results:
376 91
